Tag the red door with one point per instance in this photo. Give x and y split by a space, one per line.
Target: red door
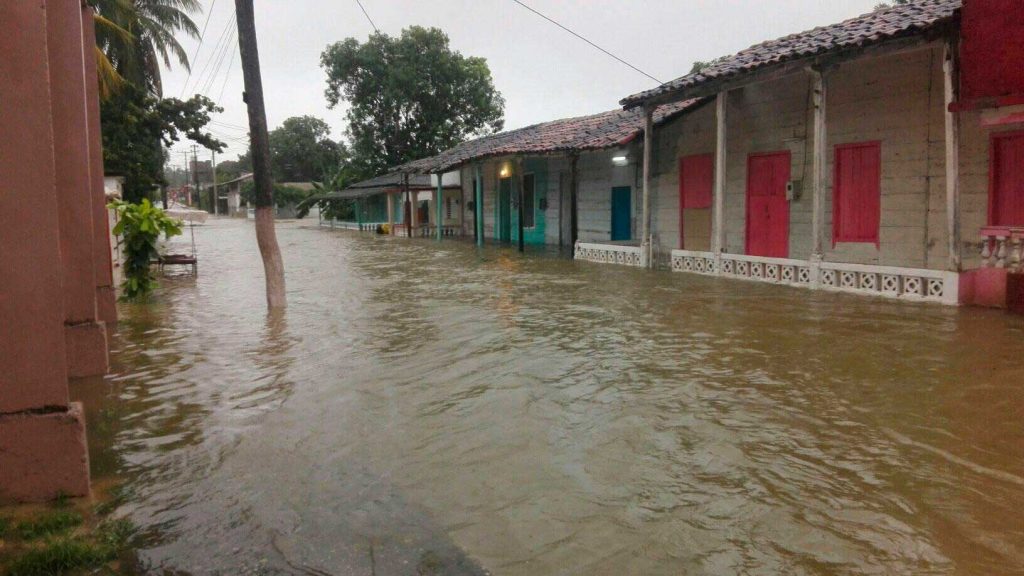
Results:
1006 203
696 179
767 207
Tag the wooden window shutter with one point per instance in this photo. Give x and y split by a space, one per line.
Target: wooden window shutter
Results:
857 199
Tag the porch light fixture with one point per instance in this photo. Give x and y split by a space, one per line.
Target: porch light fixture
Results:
620 160
505 171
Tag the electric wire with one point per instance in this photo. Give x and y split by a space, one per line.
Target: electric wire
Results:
367 14
198 46
215 75
587 41
227 76
217 47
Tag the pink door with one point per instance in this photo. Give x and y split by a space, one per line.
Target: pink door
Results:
767 207
1006 205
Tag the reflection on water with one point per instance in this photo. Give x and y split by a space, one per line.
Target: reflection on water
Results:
427 408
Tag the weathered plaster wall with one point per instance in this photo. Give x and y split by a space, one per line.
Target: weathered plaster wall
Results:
896 99
597 177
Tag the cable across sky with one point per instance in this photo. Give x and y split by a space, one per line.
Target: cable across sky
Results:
586 40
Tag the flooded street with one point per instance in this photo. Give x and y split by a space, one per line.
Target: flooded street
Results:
427 408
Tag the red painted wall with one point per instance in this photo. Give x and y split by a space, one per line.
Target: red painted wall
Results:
992 49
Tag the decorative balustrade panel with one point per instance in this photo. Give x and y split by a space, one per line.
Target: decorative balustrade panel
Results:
1002 247
892 282
608 254
692 261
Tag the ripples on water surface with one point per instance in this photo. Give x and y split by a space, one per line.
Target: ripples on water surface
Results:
426 408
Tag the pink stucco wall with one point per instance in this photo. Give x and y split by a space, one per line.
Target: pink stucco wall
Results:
52 260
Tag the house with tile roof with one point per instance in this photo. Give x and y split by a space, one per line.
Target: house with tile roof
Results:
574 178
881 155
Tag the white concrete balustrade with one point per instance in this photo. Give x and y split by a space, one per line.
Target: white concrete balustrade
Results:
1002 247
609 253
916 284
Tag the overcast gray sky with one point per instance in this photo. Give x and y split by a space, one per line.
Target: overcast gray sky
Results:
543 72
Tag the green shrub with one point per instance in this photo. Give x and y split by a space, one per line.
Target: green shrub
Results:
141 226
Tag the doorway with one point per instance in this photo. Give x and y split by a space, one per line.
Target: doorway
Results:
621 214
767 206
505 210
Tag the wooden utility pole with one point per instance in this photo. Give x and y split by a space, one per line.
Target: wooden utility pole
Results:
195 176
266 237
213 177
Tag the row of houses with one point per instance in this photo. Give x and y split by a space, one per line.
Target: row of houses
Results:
881 155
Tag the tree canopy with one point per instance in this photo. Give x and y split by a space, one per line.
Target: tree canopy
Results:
301 151
409 97
135 124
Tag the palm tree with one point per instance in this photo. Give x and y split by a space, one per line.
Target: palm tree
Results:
135 36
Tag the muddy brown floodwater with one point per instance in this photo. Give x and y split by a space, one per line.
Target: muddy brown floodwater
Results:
428 408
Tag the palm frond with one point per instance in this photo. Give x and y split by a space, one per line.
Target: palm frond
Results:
109 80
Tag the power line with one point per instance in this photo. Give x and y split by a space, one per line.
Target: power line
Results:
216 49
220 62
367 14
227 76
200 45
587 41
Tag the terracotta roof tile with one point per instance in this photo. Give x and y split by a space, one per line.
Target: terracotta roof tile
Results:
594 132
884 24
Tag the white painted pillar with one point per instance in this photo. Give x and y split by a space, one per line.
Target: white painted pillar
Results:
718 215
645 235
952 161
819 159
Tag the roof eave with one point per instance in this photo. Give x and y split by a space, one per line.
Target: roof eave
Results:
908 40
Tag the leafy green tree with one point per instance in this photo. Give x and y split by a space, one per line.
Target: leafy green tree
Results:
301 150
409 97
136 124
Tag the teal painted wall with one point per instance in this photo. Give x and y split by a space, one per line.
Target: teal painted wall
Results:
502 210
375 209
535 235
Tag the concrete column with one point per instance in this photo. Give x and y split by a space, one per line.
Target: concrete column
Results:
413 211
391 213
439 202
645 225
105 289
952 161
85 335
478 214
42 435
818 166
718 213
